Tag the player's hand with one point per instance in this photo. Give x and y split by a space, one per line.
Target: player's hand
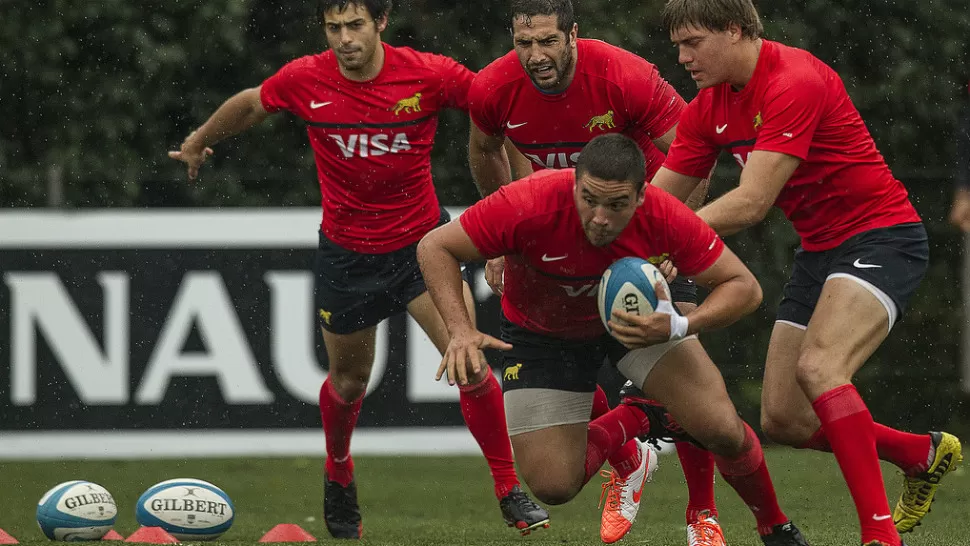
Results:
464 355
960 213
636 331
192 155
668 270
495 274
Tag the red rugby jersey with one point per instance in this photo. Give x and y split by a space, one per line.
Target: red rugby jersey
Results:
614 91
372 141
552 271
797 105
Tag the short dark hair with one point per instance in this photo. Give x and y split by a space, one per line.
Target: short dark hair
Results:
713 15
562 9
376 8
613 157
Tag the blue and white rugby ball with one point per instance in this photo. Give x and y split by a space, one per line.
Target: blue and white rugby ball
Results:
76 510
628 285
187 508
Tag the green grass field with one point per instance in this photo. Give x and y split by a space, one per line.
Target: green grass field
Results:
430 500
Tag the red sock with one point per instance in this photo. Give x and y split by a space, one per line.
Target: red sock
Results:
610 432
910 452
748 475
484 411
698 466
851 433
626 459
339 419
601 404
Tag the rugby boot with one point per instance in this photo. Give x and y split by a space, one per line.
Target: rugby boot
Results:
623 496
919 490
785 534
519 511
340 510
705 531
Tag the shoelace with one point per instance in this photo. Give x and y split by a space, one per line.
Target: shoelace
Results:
612 490
703 533
520 500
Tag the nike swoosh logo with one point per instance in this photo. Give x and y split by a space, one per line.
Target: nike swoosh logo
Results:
547 258
516 126
859 265
314 104
881 518
720 128
639 492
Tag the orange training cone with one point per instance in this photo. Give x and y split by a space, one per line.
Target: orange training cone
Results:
112 535
5 538
287 532
152 535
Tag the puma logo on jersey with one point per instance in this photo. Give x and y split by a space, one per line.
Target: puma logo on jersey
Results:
601 122
555 160
408 105
371 145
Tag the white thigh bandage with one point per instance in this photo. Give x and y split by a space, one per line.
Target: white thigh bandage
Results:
637 364
883 298
529 410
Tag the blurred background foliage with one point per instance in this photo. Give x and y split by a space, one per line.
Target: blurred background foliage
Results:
94 94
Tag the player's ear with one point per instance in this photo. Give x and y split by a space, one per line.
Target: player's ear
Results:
381 22
573 33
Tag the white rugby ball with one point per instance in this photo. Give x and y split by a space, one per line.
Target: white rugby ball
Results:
76 510
187 508
628 285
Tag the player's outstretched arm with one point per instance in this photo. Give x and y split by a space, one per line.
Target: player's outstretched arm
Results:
439 255
242 111
488 160
762 179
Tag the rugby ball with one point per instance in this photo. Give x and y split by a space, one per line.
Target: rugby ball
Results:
187 508
76 510
628 285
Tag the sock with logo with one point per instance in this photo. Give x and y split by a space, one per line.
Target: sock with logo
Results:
626 459
610 432
698 466
748 475
851 433
483 408
339 418
910 452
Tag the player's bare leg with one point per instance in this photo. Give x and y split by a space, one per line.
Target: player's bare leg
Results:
697 464
847 326
688 383
351 357
484 412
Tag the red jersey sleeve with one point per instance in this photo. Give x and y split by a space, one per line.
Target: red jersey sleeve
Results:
692 244
455 81
691 154
653 105
482 106
275 91
492 222
792 111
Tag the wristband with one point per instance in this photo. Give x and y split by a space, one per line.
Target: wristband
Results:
678 323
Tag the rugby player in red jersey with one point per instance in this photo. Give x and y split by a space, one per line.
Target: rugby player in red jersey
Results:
787 119
554 342
371 112
548 97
